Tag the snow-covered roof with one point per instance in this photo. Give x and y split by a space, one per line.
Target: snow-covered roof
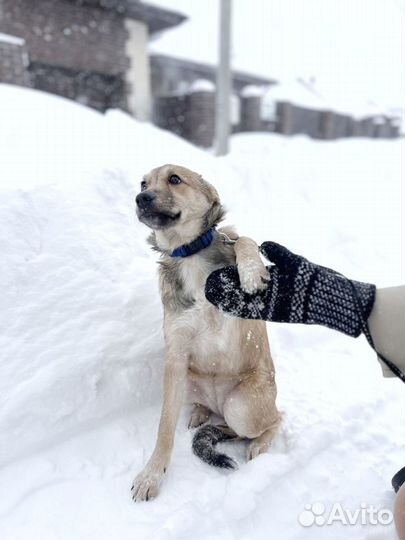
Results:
295 92
312 96
13 40
206 70
156 17
202 85
252 90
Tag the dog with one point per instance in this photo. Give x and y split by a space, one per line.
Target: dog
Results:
220 364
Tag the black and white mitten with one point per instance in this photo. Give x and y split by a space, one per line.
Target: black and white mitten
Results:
299 291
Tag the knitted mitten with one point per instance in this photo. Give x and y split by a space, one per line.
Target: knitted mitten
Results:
299 291
398 479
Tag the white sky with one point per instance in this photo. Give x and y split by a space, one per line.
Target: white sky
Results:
354 48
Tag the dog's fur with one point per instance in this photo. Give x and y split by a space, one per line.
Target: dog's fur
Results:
222 364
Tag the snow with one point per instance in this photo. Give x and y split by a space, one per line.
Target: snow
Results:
295 92
12 40
81 331
202 85
252 90
310 96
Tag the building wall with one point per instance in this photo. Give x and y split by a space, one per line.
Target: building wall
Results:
74 51
62 34
95 90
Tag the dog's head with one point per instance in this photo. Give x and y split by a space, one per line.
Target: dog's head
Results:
175 199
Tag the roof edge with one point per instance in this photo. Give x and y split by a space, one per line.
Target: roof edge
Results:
251 78
155 17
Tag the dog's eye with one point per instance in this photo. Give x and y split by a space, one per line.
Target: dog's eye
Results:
143 185
174 179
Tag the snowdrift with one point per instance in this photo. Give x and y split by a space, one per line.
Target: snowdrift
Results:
81 342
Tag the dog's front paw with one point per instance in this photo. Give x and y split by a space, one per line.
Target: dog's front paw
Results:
253 276
146 485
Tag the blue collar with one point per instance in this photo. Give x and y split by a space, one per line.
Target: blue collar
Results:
195 246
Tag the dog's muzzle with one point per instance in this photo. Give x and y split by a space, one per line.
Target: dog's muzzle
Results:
150 214
144 200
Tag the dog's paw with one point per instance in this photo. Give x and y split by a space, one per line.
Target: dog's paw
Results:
199 415
146 485
253 276
255 448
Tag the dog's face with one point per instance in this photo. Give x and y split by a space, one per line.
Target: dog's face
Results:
173 196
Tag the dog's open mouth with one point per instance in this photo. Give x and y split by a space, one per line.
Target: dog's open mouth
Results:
155 219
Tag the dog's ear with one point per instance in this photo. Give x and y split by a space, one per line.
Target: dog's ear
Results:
208 189
214 215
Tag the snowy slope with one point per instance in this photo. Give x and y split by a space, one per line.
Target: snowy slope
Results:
81 343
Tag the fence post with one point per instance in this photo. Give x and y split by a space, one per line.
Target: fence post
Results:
200 114
327 125
250 113
285 118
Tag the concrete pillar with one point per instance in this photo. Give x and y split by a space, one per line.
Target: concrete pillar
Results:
327 125
138 72
367 127
394 127
382 128
351 129
357 128
200 117
285 117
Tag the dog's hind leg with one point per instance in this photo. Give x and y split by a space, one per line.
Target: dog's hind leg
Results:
261 444
199 415
250 411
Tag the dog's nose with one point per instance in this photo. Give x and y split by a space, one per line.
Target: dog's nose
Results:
144 199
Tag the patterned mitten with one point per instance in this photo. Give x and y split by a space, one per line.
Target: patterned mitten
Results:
299 291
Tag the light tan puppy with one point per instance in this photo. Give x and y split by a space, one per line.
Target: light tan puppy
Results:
221 364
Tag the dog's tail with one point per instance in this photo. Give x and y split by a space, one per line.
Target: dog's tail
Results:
204 442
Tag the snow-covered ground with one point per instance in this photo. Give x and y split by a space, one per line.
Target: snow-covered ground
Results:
81 340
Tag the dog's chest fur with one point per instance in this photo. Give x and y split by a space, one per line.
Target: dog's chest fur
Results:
212 330
214 336
215 339
194 272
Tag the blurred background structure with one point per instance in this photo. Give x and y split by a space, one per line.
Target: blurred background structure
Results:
97 52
